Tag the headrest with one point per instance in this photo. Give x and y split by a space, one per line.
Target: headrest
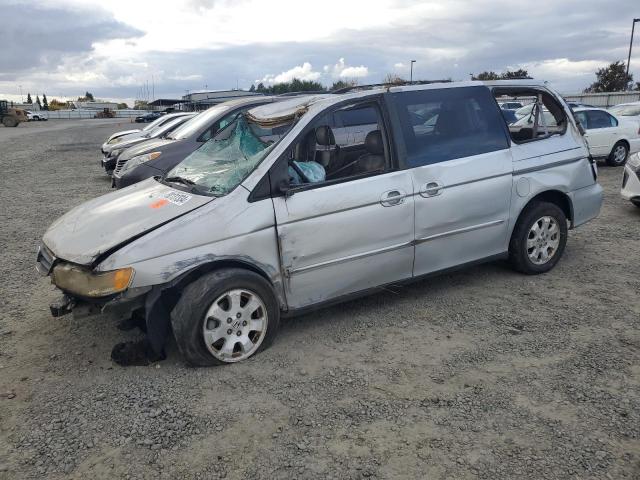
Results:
324 136
373 142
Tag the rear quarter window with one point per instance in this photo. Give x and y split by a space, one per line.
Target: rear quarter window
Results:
441 125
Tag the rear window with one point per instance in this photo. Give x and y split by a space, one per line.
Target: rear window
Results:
441 125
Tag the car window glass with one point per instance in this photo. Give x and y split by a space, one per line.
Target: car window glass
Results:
338 146
583 119
219 125
440 125
600 119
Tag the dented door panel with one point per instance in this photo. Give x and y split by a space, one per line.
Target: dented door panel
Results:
347 237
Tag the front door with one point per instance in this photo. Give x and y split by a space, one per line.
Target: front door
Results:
349 226
458 154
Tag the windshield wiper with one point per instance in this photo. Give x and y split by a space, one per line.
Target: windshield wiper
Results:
177 179
194 187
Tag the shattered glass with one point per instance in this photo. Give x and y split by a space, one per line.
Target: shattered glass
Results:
222 163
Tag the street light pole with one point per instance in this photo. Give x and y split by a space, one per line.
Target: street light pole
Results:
633 27
411 77
21 98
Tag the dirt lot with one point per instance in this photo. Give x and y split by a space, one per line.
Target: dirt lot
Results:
479 374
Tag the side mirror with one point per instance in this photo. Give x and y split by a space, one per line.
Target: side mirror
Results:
580 128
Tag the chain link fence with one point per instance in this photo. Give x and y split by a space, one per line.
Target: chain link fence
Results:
86 114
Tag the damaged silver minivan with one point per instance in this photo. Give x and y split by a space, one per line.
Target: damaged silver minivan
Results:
316 199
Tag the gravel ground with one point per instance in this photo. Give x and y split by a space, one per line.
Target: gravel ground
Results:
483 373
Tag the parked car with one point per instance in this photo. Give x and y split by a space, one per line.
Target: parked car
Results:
574 105
271 218
35 116
631 180
112 151
117 137
157 157
510 105
509 116
148 117
609 136
626 110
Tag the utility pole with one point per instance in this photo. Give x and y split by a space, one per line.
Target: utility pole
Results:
411 75
21 99
633 27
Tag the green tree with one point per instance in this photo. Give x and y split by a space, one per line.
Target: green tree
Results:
295 85
29 101
38 102
612 78
486 76
89 96
507 75
122 105
45 104
340 84
252 88
520 73
260 88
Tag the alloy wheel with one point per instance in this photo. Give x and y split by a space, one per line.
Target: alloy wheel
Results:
235 325
543 240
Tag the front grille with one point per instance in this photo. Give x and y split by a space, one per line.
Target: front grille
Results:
119 166
45 259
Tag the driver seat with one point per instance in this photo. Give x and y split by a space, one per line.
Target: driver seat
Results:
374 159
329 151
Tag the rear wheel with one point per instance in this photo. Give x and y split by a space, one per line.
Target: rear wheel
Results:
225 316
618 155
539 238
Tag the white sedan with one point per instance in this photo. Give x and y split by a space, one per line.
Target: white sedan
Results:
610 137
631 180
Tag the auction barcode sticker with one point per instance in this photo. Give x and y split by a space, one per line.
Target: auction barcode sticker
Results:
177 198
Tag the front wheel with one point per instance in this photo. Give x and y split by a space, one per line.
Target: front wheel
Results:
618 155
9 122
539 238
225 316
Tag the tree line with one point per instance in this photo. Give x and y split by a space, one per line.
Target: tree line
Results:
297 85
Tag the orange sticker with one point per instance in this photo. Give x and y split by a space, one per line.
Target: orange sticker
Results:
159 203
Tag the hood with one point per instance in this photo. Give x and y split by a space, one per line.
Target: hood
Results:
124 140
88 231
145 147
122 133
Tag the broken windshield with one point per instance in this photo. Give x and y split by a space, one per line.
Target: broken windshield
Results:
223 162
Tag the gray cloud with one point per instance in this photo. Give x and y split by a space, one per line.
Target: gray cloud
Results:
39 37
466 37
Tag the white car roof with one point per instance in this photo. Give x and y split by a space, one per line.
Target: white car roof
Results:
583 109
284 111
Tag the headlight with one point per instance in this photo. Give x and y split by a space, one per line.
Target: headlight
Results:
140 159
114 140
81 281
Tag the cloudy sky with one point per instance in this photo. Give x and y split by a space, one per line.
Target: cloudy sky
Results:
114 47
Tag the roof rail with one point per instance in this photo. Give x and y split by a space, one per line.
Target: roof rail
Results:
295 94
378 85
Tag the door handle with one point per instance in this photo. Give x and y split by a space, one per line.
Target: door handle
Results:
392 198
431 189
